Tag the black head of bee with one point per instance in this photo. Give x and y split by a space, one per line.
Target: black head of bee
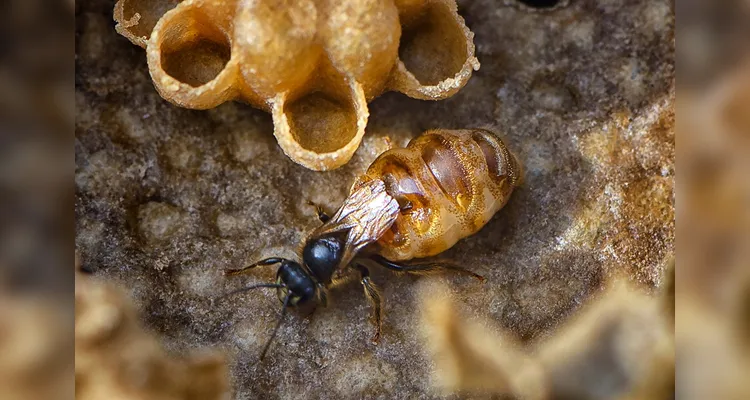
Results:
295 286
322 256
295 283
300 285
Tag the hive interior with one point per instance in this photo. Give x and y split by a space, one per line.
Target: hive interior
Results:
229 196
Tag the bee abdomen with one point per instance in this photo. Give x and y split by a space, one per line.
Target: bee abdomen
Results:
448 184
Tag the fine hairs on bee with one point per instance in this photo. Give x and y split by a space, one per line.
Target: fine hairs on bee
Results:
412 203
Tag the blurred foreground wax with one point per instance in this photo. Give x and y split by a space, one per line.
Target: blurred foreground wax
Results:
116 358
35 343
620 346
36 120
713 282
713 279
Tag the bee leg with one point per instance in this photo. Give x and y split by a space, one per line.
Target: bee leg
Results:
322 216
323 295
423 267
373 295
267 261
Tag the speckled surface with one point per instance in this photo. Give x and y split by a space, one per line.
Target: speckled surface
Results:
167 197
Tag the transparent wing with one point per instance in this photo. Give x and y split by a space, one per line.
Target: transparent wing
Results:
367 214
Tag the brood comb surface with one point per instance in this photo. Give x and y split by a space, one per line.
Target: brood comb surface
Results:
313 65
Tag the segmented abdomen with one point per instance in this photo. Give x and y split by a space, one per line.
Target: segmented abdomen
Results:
448 183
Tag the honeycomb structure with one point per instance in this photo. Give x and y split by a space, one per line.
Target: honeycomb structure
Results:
314 65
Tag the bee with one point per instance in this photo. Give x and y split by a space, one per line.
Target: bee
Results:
411 203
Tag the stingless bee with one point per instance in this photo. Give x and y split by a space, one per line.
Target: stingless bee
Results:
412 203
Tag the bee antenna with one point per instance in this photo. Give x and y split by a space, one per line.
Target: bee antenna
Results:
251 287
276 329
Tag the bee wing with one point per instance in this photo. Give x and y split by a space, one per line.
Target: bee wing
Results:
367 214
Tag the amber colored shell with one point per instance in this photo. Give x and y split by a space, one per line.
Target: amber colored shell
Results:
449 184
313 64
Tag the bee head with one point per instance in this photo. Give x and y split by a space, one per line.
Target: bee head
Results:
296 283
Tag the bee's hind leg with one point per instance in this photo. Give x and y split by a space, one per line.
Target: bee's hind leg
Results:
373 295
424 267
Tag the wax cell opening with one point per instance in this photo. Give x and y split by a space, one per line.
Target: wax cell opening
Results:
433 48
193 50
322 123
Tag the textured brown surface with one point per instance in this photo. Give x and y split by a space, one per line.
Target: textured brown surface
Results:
167 197
313 65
